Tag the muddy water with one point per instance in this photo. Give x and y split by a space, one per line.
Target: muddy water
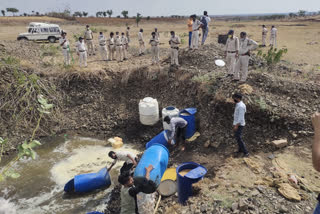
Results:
40 187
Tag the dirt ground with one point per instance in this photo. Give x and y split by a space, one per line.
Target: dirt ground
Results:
103 99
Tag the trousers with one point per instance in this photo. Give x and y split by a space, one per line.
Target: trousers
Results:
273 41
83 59
119 53
241 69
190 38
155 54
195 39
264 38
205 32
125 51
66 55
141 47
174 56
90 46
238 136
103 52
231 62
111 52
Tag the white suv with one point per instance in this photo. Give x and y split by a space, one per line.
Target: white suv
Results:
40 32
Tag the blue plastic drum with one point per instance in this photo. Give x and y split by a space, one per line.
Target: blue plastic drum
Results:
189 115
159 139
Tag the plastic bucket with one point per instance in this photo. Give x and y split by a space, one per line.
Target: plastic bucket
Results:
159 139
189 115
158 156
185 181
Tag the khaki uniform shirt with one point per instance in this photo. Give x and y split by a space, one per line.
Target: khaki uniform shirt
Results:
80 46
66 44
110 41
124 40
102 40
88 34
264 31
232 44
174 42
154 41
118 41
247 45
140 37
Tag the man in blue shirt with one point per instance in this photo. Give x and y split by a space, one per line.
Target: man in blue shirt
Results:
239 123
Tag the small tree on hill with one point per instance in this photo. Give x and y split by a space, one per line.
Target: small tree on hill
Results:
273 56
84 13
37 14
3 12
292 15
12 10
109 12
138 19
104 13
125 14
302 13
25 14
77 14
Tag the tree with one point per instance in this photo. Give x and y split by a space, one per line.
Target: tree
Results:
37 14
12 10
77 14
109 12
3 12
292 15
138 18
104 13
302 13
84 13
125 14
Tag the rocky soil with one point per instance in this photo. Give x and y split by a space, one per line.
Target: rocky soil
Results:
105 101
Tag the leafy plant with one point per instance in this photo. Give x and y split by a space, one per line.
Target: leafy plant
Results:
125 14
109 12
273 56
49 50
262 103
10 60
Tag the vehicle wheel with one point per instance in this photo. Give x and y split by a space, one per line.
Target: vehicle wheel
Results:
52 39
22 39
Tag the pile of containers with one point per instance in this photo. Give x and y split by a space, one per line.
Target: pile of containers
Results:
171 112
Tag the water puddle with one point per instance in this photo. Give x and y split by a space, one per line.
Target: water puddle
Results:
40 187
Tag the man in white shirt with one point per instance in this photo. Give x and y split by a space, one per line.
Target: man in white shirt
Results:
231 52
103 47
111 48
88 36
82 52
239 123
273 37
118 44
196 25
205 19
125 44
64 43
174 44
141 43
264 35
130 159
154 42
157 33
178 127
245 46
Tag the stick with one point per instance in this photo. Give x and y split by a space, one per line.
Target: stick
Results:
155 209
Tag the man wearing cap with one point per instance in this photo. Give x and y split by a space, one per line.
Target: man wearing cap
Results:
81 52
102 46
141 43
154 42
264 35
88 36
111 48
124 41
128 34
231 52
196 25
64 43
118 44
245 46
273 36
174 44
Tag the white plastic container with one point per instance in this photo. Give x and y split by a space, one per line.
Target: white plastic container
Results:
171 112
149 111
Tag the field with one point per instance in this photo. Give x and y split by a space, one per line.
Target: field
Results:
300 37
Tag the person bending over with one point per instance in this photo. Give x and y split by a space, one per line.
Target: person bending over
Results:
130 159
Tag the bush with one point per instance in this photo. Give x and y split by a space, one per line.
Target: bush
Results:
273 56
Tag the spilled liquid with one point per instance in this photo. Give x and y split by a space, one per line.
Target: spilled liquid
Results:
39 189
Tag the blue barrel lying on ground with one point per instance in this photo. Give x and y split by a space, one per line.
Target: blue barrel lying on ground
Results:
158 156
159 139
189 115
185 182
95 212
88 182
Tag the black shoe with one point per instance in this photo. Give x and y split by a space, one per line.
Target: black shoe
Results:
229 75
235 80
246 155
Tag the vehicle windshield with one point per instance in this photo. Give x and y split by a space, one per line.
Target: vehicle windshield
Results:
32 29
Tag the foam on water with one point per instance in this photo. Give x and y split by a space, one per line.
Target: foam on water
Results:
6 207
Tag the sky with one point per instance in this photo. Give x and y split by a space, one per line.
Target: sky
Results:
165 7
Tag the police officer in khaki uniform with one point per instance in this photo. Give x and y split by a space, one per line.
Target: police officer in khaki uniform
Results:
103 47
128 34
174 44
111 48
231 52
273 36
124 41
82 52
141 43
88 36
154 42
264 35
64 43
196 25
118 44
245 46
157 34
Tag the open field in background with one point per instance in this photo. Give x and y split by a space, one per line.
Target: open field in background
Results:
300 37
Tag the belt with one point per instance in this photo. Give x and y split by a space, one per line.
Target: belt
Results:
154 45
232 51
111 44
82 51
246 54
65 48
119 45
88 39
103 45
175 48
